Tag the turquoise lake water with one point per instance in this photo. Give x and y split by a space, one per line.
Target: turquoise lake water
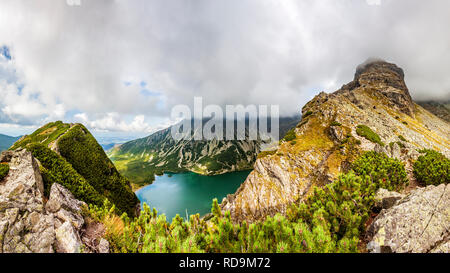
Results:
173 194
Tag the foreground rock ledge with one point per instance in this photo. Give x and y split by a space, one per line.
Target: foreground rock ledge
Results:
417 223
27 223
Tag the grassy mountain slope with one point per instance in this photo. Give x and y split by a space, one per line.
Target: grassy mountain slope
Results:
70 155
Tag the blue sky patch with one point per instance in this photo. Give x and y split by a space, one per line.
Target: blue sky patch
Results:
4 50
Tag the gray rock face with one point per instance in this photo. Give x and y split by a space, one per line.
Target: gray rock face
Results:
27 224
24 224
103 246
65 207
385 199
67 239
417 223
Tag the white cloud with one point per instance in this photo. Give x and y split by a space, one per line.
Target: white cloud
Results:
114 122
77 58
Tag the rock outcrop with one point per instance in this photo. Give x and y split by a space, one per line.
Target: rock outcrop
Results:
29 224
417 223
327 142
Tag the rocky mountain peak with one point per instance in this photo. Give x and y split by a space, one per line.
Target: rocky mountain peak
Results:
387 78
330 137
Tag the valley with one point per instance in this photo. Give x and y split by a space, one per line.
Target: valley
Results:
140 160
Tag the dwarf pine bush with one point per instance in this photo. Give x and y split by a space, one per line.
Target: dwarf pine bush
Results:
4 169
332 219
432 168
366 132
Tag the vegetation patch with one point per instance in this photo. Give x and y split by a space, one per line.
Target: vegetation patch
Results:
335 123
4 170
266 153
45 135
432 168
332 219
290 135
56 169
399 143
307 114
366 132
402 138
88 158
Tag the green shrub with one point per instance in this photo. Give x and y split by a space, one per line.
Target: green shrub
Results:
56 169
366 132
432 168
388 173
307 114
88 158
290 135
335 123
332 219
4 169
399 143
402 138
266 153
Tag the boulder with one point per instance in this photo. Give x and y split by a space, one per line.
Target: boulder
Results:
417 223
385 199
103 246
67 239
65 207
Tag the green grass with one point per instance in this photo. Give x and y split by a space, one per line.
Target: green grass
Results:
366 132
45 135
4 169
290 135
402 138
266 153
335 123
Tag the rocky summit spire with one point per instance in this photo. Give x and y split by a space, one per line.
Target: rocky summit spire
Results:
386 78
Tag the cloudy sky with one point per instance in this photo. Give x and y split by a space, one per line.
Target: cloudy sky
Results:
119 66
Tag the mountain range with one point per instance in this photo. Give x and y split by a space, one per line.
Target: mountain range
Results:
139 160
7 141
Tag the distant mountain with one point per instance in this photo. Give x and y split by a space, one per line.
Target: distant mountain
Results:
440 109
71 156
108 146
7 141
141 159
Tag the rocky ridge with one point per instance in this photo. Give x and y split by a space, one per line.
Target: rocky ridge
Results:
327 140
31 224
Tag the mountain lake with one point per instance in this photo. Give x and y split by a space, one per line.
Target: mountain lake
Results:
189 193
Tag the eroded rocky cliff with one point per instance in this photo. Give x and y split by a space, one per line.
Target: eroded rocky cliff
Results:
31 224
328 139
